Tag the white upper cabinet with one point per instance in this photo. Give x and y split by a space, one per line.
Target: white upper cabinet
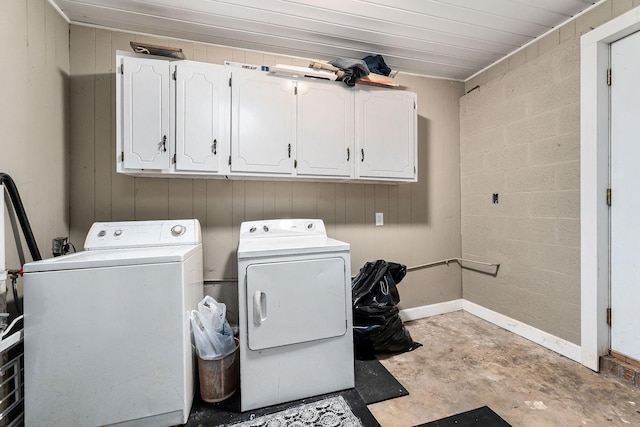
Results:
262 123
186 118
202 107
325 129
145 139
386 134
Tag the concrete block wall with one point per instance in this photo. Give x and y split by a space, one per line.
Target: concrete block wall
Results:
520 138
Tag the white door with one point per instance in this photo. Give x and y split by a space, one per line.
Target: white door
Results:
145 110
386 134
262 123
283 311
325 129
202 103
625 208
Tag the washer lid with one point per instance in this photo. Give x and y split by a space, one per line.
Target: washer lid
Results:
113 258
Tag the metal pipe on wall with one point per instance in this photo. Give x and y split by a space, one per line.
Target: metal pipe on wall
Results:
460 262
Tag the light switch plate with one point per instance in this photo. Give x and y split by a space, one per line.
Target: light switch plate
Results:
379 218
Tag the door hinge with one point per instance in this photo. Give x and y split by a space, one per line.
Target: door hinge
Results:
295 90
229 160
608 197
295 164
174 158
609 316
229 81
122 156
608 76
122 69
175 77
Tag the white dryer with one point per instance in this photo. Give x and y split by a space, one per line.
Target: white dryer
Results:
106 331
295 315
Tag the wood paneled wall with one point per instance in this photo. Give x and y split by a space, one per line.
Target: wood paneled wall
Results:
422 220
34 119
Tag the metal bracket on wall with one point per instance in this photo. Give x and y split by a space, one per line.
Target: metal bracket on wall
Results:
462 262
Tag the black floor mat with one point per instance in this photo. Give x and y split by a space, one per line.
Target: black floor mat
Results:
481 417
375 383
228 412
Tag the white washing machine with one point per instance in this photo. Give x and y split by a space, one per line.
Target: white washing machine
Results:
106 331
295 315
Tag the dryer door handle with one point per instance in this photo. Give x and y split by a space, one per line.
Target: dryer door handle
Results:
259 307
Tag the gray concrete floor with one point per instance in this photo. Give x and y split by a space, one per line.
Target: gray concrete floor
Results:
466 362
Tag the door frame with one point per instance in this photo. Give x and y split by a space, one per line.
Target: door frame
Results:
594 181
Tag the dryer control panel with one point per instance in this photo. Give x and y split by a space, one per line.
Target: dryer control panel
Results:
135 234
282 228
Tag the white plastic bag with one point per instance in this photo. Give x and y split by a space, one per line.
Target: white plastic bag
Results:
213 311
211 331
203 344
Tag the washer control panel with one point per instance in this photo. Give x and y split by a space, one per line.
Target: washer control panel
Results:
130 234
282 228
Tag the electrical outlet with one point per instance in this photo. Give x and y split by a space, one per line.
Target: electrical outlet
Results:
58 246
379 218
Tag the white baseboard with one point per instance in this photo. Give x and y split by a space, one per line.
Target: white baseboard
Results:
430 310
553 343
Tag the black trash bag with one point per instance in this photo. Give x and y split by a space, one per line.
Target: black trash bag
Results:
377 327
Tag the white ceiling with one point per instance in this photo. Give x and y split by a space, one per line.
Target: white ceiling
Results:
442 38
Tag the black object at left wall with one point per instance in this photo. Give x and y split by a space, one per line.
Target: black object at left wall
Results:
21 214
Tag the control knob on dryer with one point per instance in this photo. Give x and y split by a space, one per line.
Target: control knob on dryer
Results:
177 230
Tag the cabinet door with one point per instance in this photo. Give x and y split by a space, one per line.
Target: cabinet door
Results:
324 129
202 112
296 301
145 114
386 135
262 123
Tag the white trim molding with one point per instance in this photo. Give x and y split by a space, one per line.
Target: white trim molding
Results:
416 313
60 12
551 342
559 345
594 180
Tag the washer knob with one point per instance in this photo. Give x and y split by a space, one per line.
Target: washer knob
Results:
102 233
177 230
117 232
265 228
252 230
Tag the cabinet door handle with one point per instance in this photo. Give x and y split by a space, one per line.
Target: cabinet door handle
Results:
164 143
348 154
214 146
362 153
289 150
259 307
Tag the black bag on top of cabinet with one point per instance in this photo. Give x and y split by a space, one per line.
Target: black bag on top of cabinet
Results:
377 327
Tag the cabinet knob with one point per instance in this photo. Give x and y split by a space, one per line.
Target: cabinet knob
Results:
214 146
